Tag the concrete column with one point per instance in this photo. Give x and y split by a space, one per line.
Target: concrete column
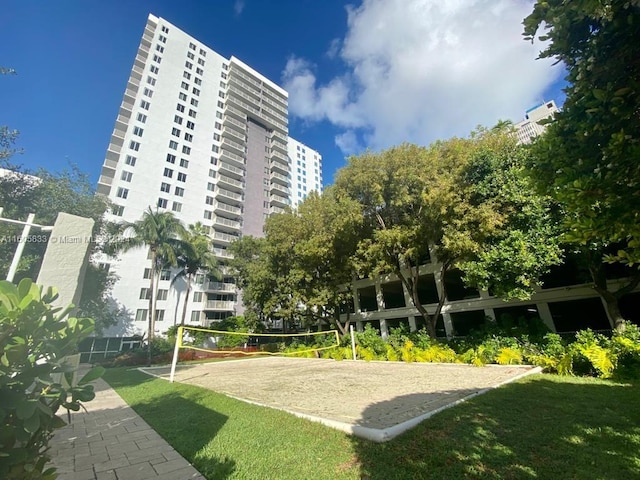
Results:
448 324
488 312
412 323
379 296
65 260
384 331
545 315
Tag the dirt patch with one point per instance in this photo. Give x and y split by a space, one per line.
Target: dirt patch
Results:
354 396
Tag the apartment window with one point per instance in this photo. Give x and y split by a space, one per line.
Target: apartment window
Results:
176 207
221 94
201 62
145 293
168 173
141 315
208 200
141 117
190 55
144 104
175 132
199 71
186 75
208 214
160 48
203 53
222 84
195 91
129 160
218 126
117 210
197 297
165 187
171 158
177 119
224 75
192 113
180 108
212 173
215 149
179 191
194 102
188 137
165 274
165 29
126 176
198 81
184 86
157 58
190 125
218 114
162 38
162 203
216 137
159 315
173 145
182 96
182 177
162 294
134 145
137 131
192 46
154 69
147 92
186 150
210 186
184 163
189 65
225 66
220 104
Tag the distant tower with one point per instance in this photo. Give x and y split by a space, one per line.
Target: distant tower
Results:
529 128
306 171
202 136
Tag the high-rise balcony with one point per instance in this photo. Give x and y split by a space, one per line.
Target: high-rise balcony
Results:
228 210
230 183
219 305
233 147
222 253
221 223
229 196
233 134
230 122
232 158
274 210
230 170
279 157
233 112
279 201
225 238
276 188
220 287
279 167
281 179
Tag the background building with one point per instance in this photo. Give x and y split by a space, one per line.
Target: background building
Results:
529 128
206 138
306 171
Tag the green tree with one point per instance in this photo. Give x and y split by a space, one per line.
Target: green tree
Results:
195 255
161 232
589 157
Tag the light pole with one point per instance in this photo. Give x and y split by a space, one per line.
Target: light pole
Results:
22 240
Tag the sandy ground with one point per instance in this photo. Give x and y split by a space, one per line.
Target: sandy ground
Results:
373 395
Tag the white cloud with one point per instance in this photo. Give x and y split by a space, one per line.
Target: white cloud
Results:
419 70
238 7
348 142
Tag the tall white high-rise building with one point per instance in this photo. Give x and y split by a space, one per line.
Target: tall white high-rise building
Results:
206 138
306 171
529 128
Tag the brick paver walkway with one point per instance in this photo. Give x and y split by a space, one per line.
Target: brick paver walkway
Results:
111 442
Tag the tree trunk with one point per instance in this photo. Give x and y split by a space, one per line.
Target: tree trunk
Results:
611 299
411 285
186 299
152 316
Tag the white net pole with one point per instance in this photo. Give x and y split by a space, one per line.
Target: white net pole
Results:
353 342
176 350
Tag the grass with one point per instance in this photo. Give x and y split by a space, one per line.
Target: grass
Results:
542 427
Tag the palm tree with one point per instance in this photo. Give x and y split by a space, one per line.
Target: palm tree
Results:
162 233
196 256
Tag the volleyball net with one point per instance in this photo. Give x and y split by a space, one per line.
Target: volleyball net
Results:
228 343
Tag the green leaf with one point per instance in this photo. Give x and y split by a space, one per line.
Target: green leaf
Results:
91 375
32 424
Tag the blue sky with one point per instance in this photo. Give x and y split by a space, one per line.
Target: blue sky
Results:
361 74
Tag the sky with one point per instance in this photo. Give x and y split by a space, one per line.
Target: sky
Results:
365 74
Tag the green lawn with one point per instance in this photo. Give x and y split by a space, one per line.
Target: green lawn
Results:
542 427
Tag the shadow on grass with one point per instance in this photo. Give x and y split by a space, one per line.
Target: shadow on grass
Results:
182 422
541 427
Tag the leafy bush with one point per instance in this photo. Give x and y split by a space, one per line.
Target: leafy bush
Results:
35 338
369 338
